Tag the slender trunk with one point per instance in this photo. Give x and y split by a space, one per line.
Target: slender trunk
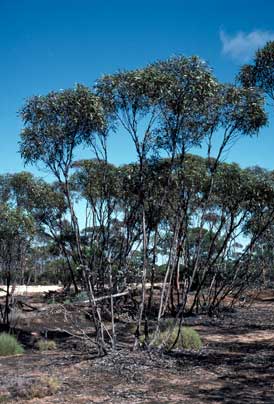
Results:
144 274
112 307
152 278
70 269
7 309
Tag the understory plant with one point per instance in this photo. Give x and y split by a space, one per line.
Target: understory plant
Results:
9 345
176 337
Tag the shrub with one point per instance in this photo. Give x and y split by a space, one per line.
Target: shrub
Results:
9 345
81 297
4 399
46 345
188 339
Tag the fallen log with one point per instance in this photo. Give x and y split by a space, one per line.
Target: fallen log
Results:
128 291
124 293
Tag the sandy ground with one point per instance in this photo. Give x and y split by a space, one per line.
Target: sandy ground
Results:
29 290
235 366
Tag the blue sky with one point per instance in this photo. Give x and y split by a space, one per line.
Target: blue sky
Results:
49 45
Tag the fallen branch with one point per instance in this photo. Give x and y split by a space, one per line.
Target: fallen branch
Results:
125 293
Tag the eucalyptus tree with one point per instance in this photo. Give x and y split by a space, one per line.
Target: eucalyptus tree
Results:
161 98
126 97
166 108
261 72
55 125
195 108
237 197
262 218
98 184
46 204
16 232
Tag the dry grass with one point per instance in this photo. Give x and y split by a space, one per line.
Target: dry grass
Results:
28 389
46 345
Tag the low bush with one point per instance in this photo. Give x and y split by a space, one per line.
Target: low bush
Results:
81 297
46 345
9 345
4 399
188 339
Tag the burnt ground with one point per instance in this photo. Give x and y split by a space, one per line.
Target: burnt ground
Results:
236 365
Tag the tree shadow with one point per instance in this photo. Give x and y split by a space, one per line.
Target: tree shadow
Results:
244 373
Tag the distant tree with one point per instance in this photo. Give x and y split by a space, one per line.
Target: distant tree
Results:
16 232
261 72
47 206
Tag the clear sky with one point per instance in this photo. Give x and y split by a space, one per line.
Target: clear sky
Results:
49 45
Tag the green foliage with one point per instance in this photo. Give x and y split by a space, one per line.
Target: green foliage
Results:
57 123
9 345
261 72
179 91
16 231
96 180
185 207
188 338
81 297
15 223
67 301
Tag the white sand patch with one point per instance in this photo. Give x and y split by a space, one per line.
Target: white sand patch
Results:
30 289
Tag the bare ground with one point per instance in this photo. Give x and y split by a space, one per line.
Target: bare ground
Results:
235 366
